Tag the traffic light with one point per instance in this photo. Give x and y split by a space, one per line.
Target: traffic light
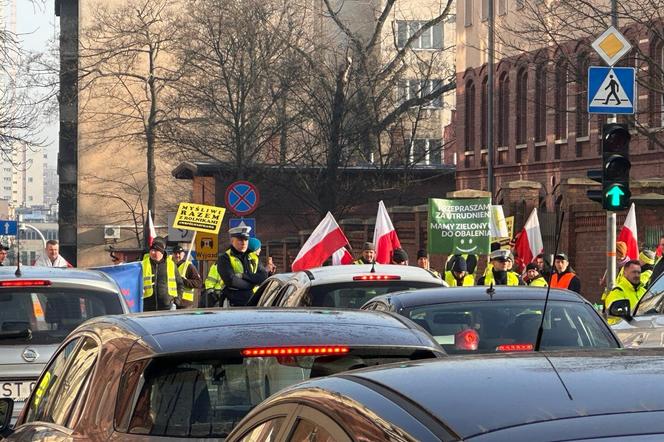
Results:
614 175
615 167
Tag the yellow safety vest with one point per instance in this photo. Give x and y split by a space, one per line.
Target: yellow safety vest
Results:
512 278
623 290
213 280
538 282
187 293
467 281
237 266
148 277
645 276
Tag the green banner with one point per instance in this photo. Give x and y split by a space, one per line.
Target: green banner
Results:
459 226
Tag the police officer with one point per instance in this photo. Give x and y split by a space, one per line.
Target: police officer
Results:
424 263
190 277
563 276
459 276
368 254
162 284
647 260
533 276
497 273
629 287
239 268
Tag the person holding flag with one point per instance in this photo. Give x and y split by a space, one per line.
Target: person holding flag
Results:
368 254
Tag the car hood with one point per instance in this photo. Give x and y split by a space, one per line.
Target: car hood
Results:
641 332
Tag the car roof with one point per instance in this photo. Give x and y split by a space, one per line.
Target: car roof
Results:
343 273
429 296
226 329
479 394
63 277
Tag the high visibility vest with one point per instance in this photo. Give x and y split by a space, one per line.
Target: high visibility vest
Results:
213 280
561 282
434 273
512 278
237 266
148 277
624 290
187 293
359 261
538 282
467 281
645 276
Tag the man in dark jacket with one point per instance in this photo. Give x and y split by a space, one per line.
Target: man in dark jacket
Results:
240 269
162 283
563 276
190 277
496 272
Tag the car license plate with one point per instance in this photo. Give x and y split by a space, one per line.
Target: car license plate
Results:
17 390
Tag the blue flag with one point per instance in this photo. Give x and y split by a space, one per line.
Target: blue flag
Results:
129 278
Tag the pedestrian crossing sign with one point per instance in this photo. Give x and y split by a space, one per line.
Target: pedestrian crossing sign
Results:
611 90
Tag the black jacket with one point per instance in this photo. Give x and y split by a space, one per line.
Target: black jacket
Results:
238 288
160 300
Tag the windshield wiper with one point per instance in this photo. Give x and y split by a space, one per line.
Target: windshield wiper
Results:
25 333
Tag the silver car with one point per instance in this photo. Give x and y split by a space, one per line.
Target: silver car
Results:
37 311
644 327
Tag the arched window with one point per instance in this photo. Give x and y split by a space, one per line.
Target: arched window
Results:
540 101
521 105
470 116
503 109
582 95
656 74
484 117
561 101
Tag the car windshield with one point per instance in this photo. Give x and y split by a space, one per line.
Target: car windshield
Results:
652 301
494 326
194 396
47 316
354 294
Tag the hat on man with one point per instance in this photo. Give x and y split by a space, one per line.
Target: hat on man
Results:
254 244
422 254
241 231
621 247
369 246
647 257
399 255
562 256
3 247
159 244
178 249
532 266
499 255
459 265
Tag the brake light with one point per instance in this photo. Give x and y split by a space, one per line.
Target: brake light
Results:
25 283
376 278
515 347
466 339
295 351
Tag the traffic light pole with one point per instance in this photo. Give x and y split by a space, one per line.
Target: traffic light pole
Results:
610 215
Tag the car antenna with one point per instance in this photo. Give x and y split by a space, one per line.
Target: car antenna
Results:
538 341
18 252
491 291
373 267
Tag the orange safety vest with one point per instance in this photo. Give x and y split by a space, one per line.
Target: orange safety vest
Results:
563 282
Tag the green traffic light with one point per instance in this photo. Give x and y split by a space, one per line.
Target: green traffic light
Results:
614 194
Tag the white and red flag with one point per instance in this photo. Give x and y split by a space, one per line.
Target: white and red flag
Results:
385 237
326 239
342 257
628 234
529 243
152 233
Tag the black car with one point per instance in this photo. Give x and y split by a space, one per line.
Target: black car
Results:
500 319
615 395
197 373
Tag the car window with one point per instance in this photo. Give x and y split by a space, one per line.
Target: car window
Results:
652 301
307 431
50 314
48 384
493 326
264 432
354 294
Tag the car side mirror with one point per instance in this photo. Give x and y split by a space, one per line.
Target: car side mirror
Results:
621 309
6 409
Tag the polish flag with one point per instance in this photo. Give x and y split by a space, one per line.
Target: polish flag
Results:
152 233
342 257
385 237
628 234
529 242
326 239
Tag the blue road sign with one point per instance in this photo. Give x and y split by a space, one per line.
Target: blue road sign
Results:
611 90
8 227
242 198
251 222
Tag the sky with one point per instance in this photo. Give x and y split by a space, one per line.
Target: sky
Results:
36 24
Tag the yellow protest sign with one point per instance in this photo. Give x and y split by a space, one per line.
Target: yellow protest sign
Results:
207 246
510 226
199 217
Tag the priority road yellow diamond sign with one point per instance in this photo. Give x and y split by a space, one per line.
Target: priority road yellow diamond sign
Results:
611 46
